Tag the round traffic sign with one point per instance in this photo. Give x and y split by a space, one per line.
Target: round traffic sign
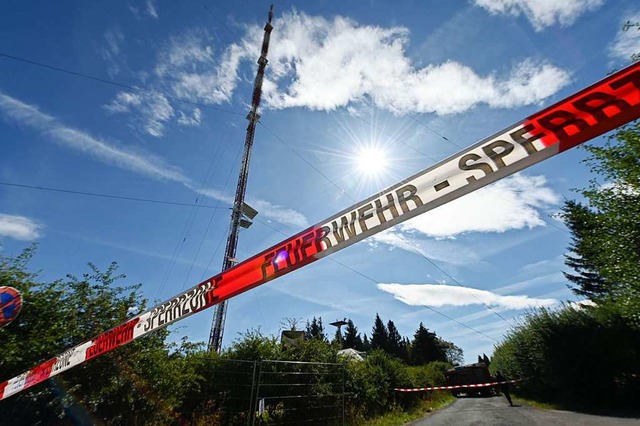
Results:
10 304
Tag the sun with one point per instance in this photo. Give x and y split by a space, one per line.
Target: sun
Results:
371 161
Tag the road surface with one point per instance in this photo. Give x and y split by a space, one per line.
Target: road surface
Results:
495 411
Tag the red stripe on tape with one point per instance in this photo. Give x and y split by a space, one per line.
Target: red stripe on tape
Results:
599 108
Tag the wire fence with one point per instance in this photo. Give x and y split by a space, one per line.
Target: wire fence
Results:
307 393
270 393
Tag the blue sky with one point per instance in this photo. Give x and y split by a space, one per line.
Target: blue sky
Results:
358 95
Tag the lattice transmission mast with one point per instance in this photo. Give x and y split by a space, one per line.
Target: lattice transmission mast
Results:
241 212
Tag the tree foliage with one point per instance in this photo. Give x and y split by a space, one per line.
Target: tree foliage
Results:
605 249
379 335
588 356
352 338
394 343
315 329
583 358
152 381
426 347
60 314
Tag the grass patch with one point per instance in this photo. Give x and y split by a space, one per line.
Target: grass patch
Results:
533 403
399 417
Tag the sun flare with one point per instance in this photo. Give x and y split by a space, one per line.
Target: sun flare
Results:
371 161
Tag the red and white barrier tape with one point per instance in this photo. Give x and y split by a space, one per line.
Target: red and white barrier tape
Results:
475 385
604 106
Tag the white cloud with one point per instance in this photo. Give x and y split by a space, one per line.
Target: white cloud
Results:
112 51
627 41
438 295
580 304
325 64
19 227
542 13
265 209
444 251
151 8
154 110
187 68
279 214
185 52
511 203
144 163
190 120
141 8
123 102
187 64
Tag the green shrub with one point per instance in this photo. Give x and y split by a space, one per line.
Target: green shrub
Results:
576 357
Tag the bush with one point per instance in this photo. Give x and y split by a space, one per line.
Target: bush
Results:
576 357
372 382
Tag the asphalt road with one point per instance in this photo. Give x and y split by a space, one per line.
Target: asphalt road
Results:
495 411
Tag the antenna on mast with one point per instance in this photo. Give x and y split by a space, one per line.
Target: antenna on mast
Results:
241 213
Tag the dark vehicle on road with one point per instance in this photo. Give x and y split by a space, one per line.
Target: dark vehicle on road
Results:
471 374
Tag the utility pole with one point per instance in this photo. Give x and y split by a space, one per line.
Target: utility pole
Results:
241 211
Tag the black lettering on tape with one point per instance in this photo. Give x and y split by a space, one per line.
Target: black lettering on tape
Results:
463 164
307 241
322 237
596 103
633 78
442 185
267 263
391 206
559 122
408 193
527 143
365 212
496 150
345 225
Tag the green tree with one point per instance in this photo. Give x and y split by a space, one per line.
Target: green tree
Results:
405 350
351 337
315 329
486 360
582 222
338 340
253 345
426 347
366 343
584 358
606 232
379 335
394 346
115 387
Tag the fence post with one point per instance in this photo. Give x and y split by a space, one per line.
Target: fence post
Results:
343 394
254 403
253 386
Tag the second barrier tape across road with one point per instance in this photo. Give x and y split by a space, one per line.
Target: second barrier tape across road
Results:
604 106
474 385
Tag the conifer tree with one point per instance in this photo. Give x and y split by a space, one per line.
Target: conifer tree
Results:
351 337
379 335
394 340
